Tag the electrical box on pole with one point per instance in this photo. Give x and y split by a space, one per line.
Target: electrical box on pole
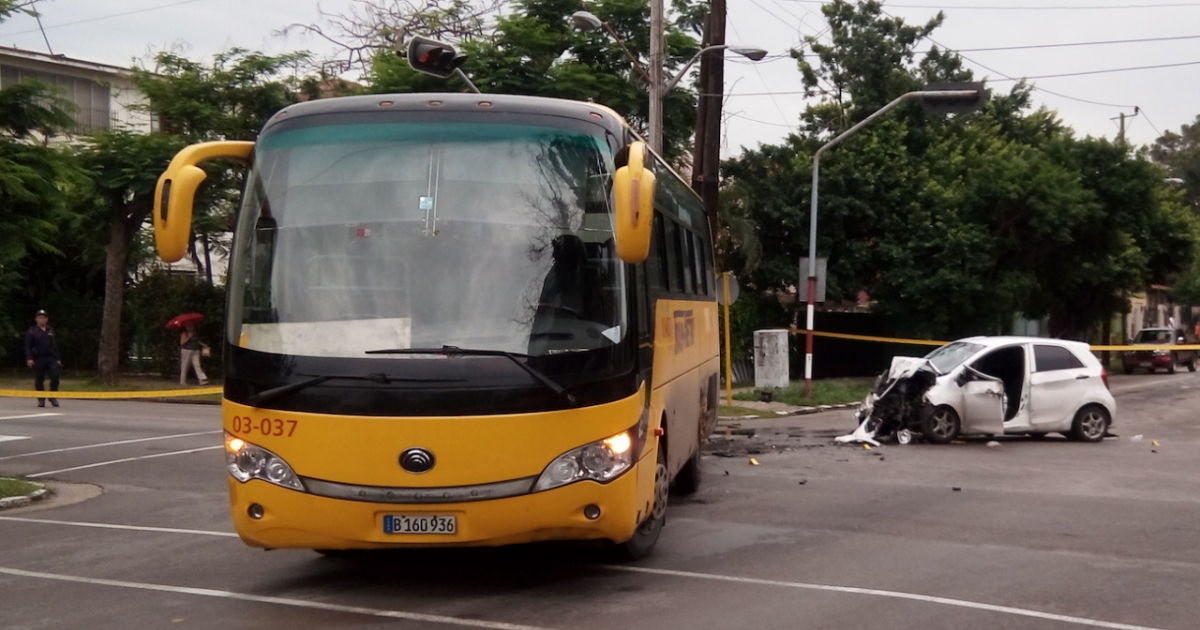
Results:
803 284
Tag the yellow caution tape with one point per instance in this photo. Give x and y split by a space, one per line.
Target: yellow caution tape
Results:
930 342
157 393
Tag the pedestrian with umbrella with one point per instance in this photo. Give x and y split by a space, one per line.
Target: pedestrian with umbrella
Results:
190 346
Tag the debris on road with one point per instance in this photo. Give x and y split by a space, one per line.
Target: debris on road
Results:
1137 438
956 489
753 462
1154 443
993 443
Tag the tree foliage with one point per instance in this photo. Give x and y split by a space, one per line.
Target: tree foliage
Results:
953 225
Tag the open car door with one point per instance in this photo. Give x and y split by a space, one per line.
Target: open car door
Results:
983 404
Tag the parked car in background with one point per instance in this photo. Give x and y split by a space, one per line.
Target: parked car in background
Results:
991 386
1160 358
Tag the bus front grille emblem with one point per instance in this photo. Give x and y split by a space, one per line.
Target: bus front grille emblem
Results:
416 460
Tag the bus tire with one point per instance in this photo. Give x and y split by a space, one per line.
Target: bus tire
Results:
688 479
646 534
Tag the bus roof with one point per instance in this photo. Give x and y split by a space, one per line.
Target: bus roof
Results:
457 102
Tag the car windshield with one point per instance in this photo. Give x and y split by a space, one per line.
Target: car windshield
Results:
1153 336
952 355
398 235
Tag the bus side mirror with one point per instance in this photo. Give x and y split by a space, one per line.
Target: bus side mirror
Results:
176 192
633 194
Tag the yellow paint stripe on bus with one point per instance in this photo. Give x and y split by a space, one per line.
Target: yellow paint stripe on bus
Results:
158 393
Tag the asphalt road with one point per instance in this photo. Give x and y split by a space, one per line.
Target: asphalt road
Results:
1041 535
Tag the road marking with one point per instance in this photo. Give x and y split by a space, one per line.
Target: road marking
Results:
29 415
135 528
12 438
281 601
121 461
946 601
79 448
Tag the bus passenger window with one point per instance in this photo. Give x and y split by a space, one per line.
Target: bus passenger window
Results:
657 261
693 262
681 272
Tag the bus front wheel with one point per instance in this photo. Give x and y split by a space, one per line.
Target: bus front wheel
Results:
648 532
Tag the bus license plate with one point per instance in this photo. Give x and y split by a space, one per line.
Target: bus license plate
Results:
420 524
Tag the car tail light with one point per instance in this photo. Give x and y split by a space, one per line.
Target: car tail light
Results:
1104 377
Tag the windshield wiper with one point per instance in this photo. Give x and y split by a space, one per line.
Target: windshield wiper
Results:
377 377
559 390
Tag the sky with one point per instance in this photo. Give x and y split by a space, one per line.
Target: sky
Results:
764 99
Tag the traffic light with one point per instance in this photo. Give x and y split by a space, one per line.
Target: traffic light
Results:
957 103
433 57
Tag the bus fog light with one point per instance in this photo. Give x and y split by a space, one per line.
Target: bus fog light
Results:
591 512
255 511
600 461
246 461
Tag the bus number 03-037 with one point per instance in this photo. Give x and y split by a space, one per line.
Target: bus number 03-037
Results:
265 426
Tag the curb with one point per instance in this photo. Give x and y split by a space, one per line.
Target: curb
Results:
40 494
799 411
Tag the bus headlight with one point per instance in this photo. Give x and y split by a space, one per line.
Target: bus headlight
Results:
246 461
601 461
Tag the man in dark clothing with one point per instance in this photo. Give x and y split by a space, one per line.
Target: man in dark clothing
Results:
41 354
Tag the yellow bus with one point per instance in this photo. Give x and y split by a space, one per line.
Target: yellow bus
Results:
458 320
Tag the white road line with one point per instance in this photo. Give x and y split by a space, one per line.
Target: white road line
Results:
946 601
121 461
281 601
135 528
29 415
12 438
79 448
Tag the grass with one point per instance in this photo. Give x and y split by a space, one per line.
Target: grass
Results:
834 391
87 382
15 488
726 411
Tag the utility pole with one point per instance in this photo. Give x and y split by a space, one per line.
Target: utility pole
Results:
706 158
656 75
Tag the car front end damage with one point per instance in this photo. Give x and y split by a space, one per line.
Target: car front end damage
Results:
898 404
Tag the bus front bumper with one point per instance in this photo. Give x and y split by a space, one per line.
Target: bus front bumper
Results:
293 519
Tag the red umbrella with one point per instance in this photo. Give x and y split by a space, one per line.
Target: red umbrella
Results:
181 321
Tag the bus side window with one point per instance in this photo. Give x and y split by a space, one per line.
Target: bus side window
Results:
694 262
698 263
681 276
674 264
656 263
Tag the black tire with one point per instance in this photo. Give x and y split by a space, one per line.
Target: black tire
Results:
688 479
1091 424
1171 367
1192 365
941 426
1128 369
646 535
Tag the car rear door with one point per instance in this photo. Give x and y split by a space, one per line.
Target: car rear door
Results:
1057 385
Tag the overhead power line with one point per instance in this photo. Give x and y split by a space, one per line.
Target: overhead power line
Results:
102 17
1173 5
1106 71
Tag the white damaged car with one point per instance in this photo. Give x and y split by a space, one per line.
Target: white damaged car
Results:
990 386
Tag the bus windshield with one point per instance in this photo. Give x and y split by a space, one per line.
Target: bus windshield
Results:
364 236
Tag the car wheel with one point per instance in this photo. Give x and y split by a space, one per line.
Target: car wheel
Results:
941 426
688 479
1091 424
646 535
1128 369
1171 366
1192 365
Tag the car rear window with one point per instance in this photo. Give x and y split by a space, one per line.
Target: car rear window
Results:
1048 358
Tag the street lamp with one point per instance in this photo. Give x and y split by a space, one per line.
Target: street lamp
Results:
943 98
659 88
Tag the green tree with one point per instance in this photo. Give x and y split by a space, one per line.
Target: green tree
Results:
36 181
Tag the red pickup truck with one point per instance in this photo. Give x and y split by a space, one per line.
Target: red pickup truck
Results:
1162 359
